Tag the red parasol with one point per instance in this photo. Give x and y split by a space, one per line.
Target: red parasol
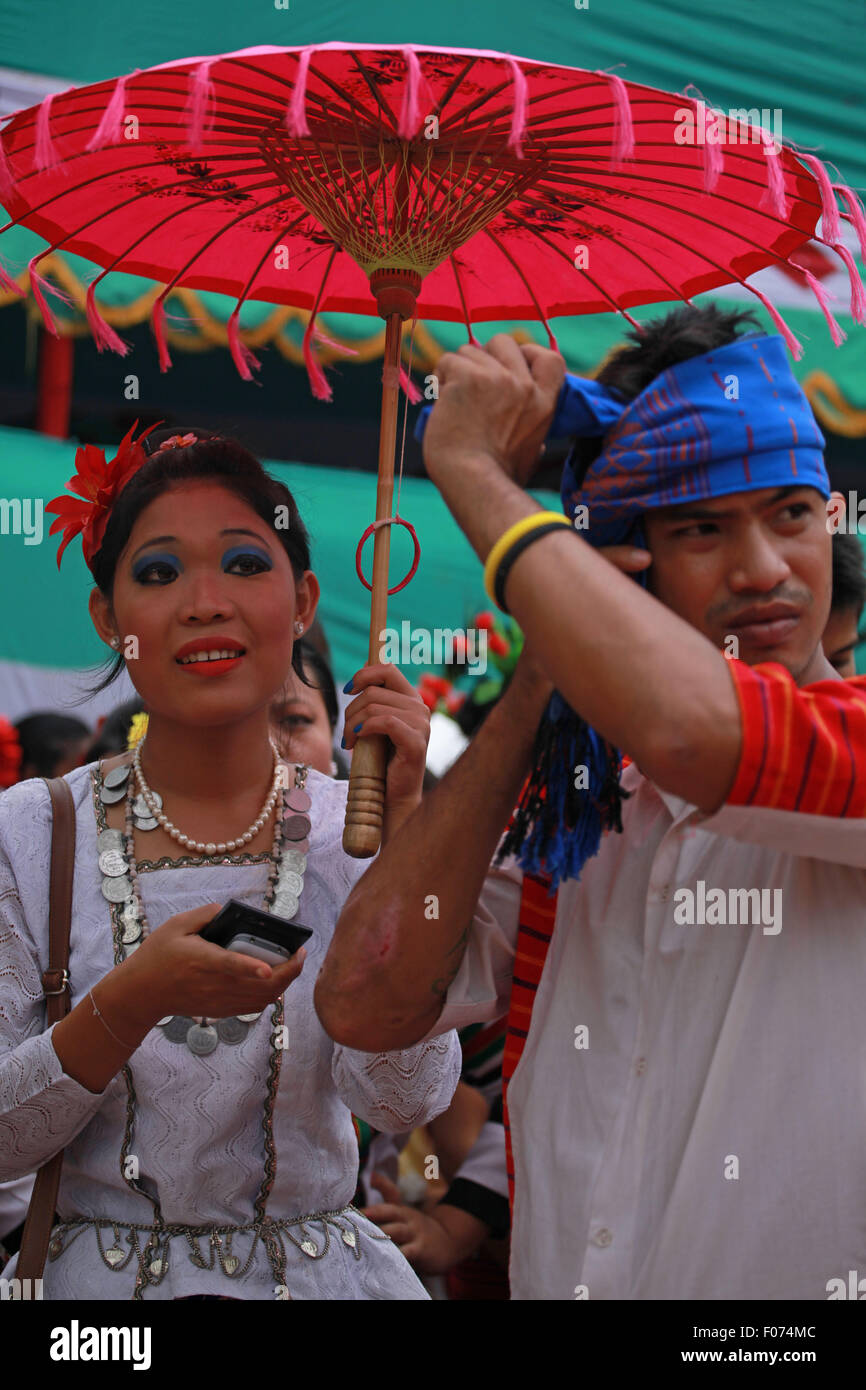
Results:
413 182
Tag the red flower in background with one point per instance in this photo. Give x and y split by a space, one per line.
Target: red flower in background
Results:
10 754
430 697
100 483
432 689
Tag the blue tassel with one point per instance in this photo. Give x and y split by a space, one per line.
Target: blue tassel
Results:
558 825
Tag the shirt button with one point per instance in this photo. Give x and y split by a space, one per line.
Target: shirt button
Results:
602 1237
640 1066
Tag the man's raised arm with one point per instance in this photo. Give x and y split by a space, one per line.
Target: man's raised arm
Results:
391 960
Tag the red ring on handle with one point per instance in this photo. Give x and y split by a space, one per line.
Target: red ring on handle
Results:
389 521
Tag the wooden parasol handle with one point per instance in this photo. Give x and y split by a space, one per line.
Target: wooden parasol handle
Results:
362 834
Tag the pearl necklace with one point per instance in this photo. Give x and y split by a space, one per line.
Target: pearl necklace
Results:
154 807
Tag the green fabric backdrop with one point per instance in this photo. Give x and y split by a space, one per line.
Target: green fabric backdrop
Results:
786 54
45 618
793 54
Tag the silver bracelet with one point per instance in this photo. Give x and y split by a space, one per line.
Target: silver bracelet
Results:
105 1025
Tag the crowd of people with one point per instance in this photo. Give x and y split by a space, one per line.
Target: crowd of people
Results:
503 1065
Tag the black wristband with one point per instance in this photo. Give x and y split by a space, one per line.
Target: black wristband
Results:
517 549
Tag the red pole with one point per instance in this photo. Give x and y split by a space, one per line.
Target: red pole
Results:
54 392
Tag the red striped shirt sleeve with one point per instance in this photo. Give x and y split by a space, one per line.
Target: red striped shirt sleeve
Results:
804 749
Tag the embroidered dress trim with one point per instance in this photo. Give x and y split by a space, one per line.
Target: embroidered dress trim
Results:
188 860
310 1236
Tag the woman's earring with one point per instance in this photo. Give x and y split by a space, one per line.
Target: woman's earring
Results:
299 627
115 642
333 768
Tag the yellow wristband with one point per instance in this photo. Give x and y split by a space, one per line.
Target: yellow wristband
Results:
506 541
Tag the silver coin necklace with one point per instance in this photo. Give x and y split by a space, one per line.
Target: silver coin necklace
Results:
120 885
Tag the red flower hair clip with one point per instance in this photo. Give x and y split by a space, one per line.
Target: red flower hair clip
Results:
177 441
100 483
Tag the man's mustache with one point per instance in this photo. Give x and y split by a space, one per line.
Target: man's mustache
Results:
728 611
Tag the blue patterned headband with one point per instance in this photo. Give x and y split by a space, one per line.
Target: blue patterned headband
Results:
731 420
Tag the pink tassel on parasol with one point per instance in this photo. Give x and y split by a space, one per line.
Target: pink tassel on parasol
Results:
415 182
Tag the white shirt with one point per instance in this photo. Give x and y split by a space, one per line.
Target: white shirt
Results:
710 1141
198 1132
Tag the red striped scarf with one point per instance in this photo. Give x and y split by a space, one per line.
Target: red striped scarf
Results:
536 920
804 748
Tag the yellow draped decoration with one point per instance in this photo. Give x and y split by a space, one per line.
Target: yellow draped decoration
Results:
207 331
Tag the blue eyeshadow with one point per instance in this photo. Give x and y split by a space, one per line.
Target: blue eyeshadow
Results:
163 556
237 550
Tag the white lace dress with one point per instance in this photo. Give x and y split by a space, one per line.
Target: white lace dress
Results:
200 1124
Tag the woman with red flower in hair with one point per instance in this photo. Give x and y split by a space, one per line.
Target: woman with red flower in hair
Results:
205 1113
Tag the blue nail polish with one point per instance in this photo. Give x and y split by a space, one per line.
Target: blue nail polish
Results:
356 729
347 688
342 743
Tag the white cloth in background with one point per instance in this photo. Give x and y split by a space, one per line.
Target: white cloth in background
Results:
198 1127
26 689
712 1051
447 742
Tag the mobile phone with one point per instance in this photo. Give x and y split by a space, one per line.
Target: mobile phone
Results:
252 932
249 945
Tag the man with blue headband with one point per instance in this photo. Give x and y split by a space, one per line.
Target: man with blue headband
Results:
686 1110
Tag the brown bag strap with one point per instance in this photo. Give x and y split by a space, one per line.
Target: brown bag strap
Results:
55 986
